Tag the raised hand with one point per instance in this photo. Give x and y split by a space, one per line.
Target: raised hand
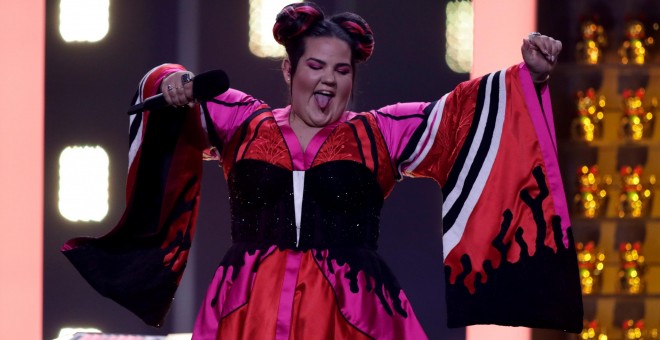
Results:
540 54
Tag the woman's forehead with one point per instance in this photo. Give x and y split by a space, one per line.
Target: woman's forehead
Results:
327 49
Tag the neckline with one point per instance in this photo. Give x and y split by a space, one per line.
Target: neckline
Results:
302 160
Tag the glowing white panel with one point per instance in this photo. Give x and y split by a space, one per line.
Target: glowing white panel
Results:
459 35
262 18
67 333
83 194
84 20
180 336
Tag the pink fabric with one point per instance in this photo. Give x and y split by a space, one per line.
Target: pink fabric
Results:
365 311
230 296
227 119
297 155
293 259
545 129
397 133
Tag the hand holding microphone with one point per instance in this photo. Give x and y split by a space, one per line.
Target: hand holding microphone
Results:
177 88
180 88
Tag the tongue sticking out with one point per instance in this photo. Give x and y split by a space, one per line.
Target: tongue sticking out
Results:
322 101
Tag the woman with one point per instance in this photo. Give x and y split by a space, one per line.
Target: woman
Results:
307 183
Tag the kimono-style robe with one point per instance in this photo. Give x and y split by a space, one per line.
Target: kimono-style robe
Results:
305 223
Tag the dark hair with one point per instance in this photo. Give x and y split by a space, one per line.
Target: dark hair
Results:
301 20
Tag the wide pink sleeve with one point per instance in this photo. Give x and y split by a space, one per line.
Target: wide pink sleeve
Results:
424 130
507 242
223 115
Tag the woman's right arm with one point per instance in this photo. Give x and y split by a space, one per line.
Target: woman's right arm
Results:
141 261
220 117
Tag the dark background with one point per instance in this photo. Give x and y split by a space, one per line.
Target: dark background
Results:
89 87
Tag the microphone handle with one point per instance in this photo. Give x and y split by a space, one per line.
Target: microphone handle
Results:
154 102
206 85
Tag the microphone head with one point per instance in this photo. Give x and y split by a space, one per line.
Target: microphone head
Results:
210 84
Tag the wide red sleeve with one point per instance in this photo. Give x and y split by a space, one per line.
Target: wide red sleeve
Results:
140 262
508 249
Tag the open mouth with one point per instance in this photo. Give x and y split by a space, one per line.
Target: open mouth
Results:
323 99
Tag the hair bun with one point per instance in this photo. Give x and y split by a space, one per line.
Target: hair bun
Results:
295 19
359 31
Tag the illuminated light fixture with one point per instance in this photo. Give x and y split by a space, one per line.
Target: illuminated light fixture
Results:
67 333
84 20
83 193
262 18
459 34
179 336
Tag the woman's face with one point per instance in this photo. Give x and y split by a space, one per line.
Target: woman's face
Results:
323 81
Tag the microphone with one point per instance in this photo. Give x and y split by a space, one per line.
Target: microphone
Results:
206 86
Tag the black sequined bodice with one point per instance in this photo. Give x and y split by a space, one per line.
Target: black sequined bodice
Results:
340 206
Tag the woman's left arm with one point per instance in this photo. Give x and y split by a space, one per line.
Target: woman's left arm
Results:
490 145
